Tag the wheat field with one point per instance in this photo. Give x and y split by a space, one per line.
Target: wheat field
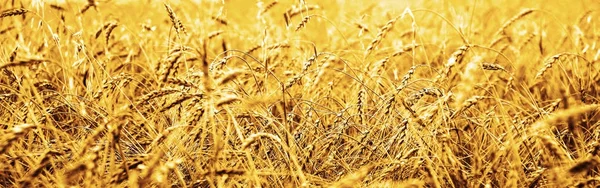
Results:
299 93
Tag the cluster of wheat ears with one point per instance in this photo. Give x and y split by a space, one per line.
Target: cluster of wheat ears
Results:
266 93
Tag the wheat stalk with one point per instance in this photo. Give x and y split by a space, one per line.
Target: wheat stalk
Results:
177 25
13 12
381 35
522 14
456 58
253 138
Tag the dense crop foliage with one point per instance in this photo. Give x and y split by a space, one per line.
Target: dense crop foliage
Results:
238 93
